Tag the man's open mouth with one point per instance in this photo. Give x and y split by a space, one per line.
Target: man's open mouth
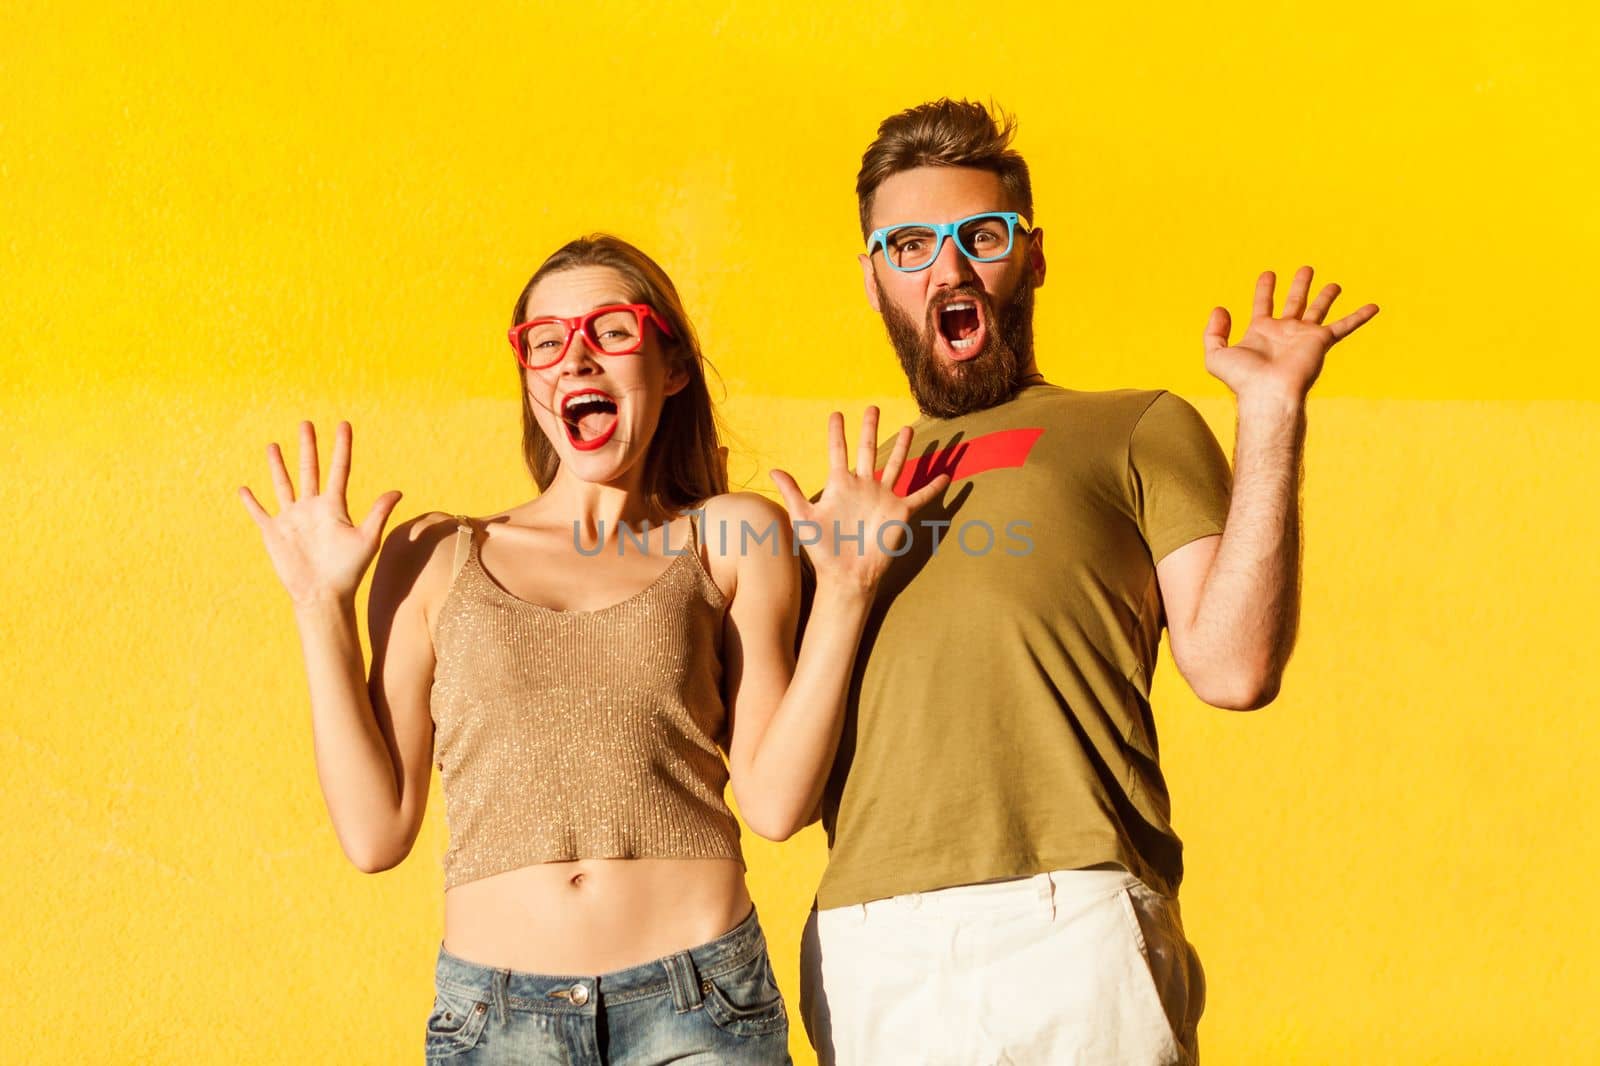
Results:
590 417
961 327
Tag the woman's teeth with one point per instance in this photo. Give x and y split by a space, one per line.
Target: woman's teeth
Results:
589 415
588 403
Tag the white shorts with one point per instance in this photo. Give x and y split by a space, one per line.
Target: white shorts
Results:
1068 967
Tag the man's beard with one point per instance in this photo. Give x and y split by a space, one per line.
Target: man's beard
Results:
946 390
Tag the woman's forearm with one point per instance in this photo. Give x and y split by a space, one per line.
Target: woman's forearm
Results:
792 761
355 765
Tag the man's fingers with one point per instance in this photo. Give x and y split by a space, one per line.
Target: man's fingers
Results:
1294 301
310 484
253 505
280 476
1262 308
1353 321
867 444
1319 307
1217 326
339 465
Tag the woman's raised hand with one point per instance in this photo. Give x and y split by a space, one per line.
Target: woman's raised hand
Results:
858 524
318 552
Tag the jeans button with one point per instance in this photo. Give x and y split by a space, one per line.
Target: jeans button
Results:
580 995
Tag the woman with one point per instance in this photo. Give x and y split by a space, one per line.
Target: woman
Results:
576 666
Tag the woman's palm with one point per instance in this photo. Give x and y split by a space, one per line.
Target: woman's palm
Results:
316 550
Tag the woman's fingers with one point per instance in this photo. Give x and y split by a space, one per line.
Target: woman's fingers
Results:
867 445
794 501
378 516
310 483
897 456
339 465
280 476
838 455
920 499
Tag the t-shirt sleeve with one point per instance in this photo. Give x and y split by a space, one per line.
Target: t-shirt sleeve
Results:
1178 475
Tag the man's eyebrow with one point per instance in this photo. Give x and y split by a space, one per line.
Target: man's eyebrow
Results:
958 218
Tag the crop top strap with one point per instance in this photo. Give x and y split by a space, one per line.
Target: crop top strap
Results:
463 545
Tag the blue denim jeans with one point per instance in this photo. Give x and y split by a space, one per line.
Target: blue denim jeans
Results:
716 1003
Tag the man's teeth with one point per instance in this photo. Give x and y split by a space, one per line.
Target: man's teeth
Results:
964 307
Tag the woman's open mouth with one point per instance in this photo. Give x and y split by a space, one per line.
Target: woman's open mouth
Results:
962 328
590 417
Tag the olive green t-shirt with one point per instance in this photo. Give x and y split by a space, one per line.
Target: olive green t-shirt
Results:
999 720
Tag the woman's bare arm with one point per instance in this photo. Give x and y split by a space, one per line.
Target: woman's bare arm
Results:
373 738
788 714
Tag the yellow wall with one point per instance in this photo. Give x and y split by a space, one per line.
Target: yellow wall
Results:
213 225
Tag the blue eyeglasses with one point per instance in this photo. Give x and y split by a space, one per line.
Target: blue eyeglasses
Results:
913 246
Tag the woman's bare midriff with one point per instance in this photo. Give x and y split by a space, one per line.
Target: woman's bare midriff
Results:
593 916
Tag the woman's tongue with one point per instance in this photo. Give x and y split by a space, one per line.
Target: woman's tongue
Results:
595 423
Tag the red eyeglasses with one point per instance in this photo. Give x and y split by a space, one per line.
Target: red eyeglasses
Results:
615 329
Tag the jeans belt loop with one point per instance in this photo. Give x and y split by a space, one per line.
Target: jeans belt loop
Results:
684 980
497 991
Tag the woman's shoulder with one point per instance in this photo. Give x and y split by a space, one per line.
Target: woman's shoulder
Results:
747 537
737 505
421 537
750 512
417 554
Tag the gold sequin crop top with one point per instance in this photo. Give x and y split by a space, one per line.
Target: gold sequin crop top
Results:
580 734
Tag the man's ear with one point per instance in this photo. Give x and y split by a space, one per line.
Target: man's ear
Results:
1036 257
870 280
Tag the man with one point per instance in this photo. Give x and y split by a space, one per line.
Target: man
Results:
1003 873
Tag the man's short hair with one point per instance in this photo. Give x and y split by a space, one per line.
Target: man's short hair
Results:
944 133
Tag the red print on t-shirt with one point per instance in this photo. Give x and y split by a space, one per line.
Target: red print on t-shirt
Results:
992 451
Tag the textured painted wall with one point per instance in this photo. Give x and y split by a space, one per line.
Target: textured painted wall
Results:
214 224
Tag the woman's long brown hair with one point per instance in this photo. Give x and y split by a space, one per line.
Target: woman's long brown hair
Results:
684 465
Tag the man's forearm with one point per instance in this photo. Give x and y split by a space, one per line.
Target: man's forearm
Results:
1250 606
